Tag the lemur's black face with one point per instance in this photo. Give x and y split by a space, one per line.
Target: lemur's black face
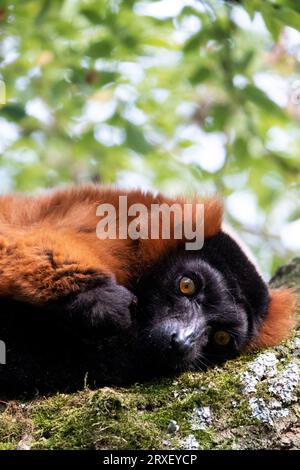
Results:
188 318
192 314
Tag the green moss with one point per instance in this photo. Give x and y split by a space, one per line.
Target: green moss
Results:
133 418
91 420
137 417
13 425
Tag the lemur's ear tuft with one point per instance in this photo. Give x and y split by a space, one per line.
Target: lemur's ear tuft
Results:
279 321
213 216
213 213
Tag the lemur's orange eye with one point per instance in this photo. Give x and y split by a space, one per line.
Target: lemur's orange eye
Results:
187 286
222 338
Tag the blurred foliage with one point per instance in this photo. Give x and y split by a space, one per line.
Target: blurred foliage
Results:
134 92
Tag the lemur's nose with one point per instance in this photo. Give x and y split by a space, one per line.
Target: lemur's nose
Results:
181 340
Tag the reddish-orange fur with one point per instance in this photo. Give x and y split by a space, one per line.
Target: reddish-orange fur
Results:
280 319
49 248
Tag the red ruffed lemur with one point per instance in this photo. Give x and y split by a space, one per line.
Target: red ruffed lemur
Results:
78 309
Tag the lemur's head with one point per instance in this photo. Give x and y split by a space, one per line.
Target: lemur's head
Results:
198 309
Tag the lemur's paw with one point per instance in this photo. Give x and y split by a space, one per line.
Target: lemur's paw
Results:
107 305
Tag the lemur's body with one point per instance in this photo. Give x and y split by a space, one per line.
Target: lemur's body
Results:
59 279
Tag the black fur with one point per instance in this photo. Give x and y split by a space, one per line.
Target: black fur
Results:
83 339
107 304
100 337
231 296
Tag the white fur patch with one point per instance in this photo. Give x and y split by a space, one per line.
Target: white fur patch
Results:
246 250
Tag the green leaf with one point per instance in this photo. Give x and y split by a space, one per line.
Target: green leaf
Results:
45 7
99 49
201 74
13 111
242 64
293 4
196 41
220 115
135 139
295 215
250 7
271 22
260 99
92 15
288 17
240 148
